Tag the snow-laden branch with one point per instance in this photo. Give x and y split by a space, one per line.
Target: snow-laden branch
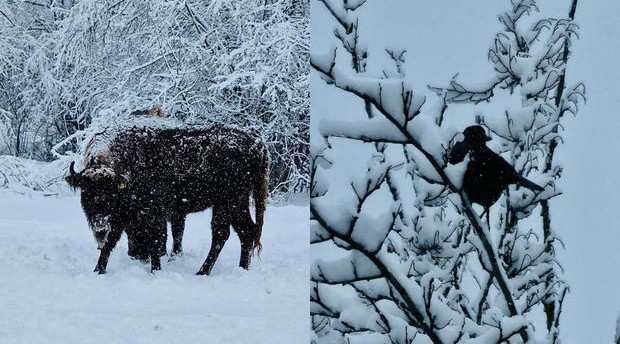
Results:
425 139
531 60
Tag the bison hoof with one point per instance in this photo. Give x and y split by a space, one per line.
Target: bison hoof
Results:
155 264
174 255
99 270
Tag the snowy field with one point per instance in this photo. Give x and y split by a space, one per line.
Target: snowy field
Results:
51 295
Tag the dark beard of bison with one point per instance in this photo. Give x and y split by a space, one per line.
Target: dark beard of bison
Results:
99 201
101 228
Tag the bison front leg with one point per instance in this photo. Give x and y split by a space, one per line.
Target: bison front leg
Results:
157 229
246 229
138 243
111 241
220 231
177 222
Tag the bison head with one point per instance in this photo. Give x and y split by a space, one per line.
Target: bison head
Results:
101 193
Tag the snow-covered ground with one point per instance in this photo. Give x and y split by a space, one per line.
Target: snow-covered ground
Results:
49 293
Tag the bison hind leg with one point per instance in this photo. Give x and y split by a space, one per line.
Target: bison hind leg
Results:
220 231
246 229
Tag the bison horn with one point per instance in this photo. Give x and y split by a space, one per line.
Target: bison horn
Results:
71 169
74 179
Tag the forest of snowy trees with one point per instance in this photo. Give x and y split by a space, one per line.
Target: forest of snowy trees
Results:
66 65
399 253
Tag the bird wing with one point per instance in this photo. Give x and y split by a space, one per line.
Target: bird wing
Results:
510 176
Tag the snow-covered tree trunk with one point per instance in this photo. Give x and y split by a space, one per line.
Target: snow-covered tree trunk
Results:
401 253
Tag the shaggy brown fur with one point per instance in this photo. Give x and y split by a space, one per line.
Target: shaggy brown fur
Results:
165 173
157 111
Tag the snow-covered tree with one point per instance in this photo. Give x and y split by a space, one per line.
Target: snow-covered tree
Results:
70 63
400 255
531 60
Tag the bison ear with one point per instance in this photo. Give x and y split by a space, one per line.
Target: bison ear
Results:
74 181
121 182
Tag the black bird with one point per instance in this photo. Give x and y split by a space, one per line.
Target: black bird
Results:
487 174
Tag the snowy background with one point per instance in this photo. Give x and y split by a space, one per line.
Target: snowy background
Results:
443 38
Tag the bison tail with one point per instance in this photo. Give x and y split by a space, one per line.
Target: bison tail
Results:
260 201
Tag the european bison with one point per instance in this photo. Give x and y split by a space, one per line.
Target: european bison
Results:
148 170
